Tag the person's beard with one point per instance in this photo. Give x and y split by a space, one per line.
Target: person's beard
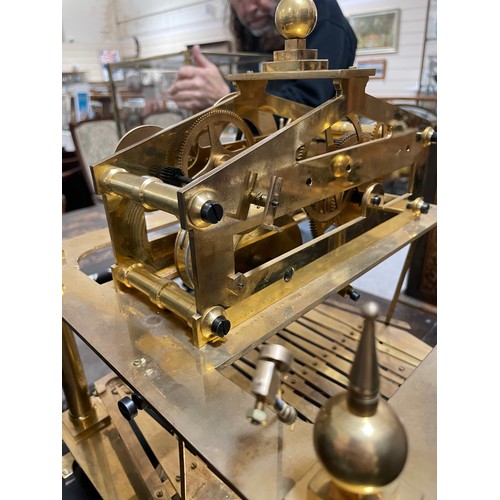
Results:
263 30
271 39
269 26
268 35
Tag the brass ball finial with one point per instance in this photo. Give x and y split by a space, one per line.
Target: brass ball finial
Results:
358 437
296 18
363 455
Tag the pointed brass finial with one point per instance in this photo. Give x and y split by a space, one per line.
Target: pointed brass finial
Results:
365 379
358 437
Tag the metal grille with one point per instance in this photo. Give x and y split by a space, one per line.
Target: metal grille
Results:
323 343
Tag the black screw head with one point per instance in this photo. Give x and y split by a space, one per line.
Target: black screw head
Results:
211 212
139 402
221 326
425 207
127 408
376 200
288 274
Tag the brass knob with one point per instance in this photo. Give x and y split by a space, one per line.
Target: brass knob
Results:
296 18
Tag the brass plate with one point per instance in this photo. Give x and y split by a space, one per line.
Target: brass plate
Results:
185 384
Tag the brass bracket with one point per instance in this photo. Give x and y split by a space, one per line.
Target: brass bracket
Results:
269 200
272 202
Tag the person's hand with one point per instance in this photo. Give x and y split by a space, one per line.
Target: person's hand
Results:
200 86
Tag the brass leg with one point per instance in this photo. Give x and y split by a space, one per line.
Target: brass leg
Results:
397 292
80 405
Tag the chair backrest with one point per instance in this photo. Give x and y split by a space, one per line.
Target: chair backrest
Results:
163 119
94 141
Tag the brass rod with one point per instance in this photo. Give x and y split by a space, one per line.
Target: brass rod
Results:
163 292
74 382
150 192
397 292
182 466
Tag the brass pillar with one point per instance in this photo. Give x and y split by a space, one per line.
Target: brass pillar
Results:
74 382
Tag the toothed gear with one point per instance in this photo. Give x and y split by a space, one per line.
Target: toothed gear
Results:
202 149
328 212
170 175
300 154
350 139
321 215
378 131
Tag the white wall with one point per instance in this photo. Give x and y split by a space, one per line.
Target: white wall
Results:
164 27
160 26
88 21
173 26
404 66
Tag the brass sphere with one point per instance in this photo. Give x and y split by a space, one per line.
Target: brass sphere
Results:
296 18
362 454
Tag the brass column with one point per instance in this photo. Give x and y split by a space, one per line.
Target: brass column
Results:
74 382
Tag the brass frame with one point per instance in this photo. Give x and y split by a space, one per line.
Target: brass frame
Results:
159 339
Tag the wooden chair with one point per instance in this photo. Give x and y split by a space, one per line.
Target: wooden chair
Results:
94 141
75 193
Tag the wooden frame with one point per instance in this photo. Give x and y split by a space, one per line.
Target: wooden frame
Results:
379 65
377 32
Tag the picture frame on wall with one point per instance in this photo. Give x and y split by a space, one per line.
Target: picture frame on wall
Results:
107 57
379 65
377 32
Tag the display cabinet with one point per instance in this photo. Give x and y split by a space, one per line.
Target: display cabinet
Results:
82 99
139 87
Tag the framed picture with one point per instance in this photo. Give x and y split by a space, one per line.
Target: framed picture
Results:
377 32
378 65
108 57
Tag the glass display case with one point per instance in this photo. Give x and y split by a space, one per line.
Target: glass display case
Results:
75 98
82 99
139 87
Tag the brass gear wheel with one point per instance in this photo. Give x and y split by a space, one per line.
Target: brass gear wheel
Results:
330 211
213 139
326 213
380 129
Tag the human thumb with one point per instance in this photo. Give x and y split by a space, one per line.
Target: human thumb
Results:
198 58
